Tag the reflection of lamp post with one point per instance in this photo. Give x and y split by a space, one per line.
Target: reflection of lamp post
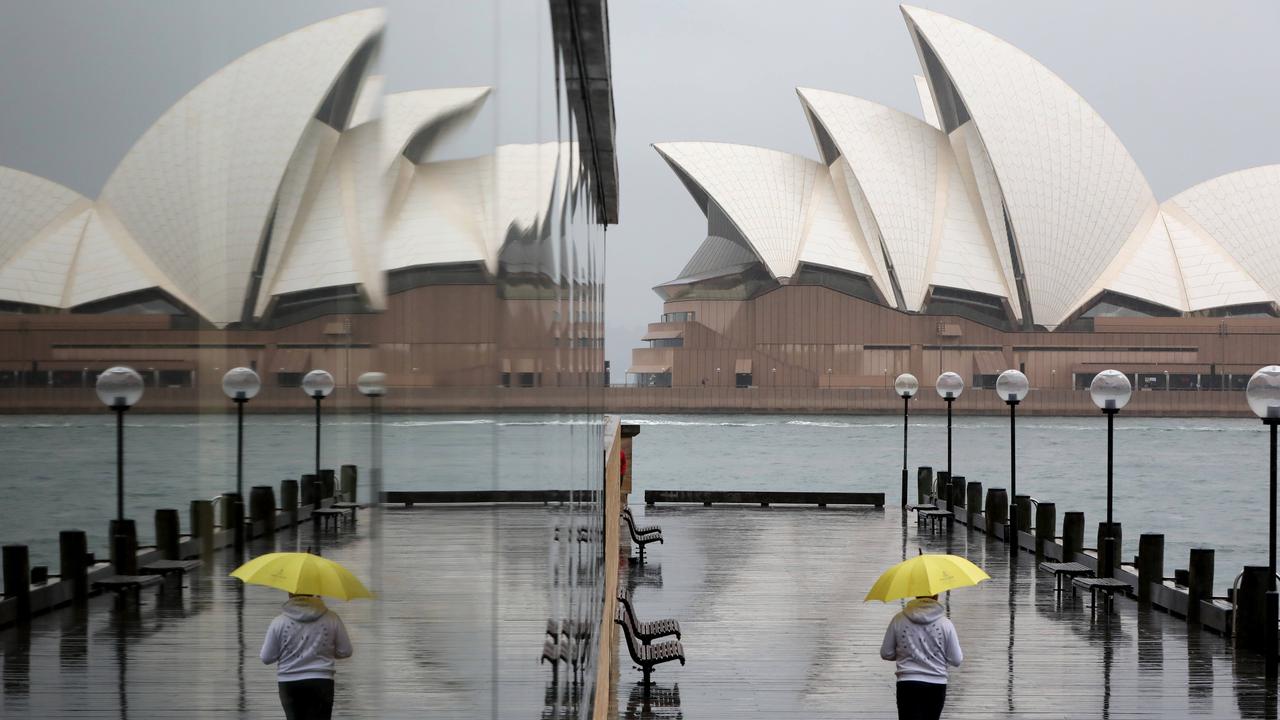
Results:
1110 391
906 386
1263 394
317 384
949 386
1012 387
373 385
119 388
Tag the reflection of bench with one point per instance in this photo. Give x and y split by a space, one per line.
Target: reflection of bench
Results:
647 656
648 631
933 518
323 517
641 539
120 584
1069 570
1109 586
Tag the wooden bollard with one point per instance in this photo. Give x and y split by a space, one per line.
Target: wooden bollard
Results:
1150 565
327 483
348 483
1072 535
167 531
955 494
289 499
1251 606
310 487
202 526
973 493
997 509
1200 582
1022 503
1118 534
73 557
941 485
1046 523
262 507
17 579
924 483
123 536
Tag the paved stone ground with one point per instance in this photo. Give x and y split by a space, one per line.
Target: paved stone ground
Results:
770 602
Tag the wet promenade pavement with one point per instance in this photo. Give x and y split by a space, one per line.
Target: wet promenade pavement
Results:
770 603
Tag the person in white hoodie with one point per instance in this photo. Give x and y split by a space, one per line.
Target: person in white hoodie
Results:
303 641
922 640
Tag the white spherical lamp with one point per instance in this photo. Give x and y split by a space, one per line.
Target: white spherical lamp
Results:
949 386
906 385
1012 386
119 387
1263 392
241 383
317 384
1110 390
372 384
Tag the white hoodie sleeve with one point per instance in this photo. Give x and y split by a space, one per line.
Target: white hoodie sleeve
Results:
889 648
270 652
341 641
955 655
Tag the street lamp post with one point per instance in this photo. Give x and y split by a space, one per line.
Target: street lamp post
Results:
1110 391
120 388
1263 394
317 384
241 385
949 387
1012 387
906 386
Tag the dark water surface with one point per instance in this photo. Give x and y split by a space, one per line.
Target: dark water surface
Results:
1202 482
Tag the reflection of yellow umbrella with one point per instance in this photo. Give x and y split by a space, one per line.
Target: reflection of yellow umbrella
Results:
302 574
925 575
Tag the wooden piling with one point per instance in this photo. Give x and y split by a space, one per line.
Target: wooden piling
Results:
973 490
1046 524
942 485
1022 503
262 508
348 483
73 558
310 487
202 526
1150 565
924 484
167 531
123 536
997 509
1072 535
1200 581
17 579
1118 534
289 499
1251 606
327 483
957 491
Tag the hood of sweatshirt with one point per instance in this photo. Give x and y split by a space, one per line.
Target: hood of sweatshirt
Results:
305 609
923 611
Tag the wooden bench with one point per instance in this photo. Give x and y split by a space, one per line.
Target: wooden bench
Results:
323 517
933 518
120 584
652 630
642 539
1109 586
647 656
347 507
922 506
1069 570
647 530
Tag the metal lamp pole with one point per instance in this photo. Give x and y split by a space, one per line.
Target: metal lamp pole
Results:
1013 475
318 398
906 405
949 401
120 410
1109 542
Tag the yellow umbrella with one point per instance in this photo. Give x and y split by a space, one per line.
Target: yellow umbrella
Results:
302 574
925 575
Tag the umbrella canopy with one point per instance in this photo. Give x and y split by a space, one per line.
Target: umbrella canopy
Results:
925 575
302 574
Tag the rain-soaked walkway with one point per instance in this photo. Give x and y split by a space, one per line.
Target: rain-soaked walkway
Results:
770 603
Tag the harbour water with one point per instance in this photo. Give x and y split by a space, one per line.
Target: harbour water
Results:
1201 482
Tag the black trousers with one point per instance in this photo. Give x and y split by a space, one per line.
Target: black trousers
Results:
307 699
920 700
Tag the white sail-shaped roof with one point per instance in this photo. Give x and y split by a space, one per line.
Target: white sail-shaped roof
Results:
207 172
927 109
829 239
764 192
1073 193
29 204
37 273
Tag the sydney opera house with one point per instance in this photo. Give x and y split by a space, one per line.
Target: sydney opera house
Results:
1007 227
287 214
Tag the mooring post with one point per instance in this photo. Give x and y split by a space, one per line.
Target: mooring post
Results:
262 508
973 490
167 532
124 546
202 527
73 557
1251 611
1269 633
310 490
17 579
327 483
997 506
1117 538
289 499
957 491
924 484
1200 581
348 486
1072 535
1150 565
941 487
1046 523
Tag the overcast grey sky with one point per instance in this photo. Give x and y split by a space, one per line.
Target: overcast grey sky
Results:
1188 85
